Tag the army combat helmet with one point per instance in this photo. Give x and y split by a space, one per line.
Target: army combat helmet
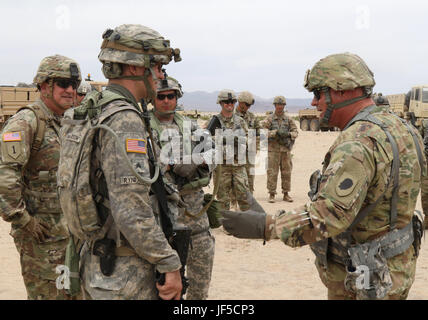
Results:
84 88
54 67
343 71
279 100
167 84
246 97
226 95
136 45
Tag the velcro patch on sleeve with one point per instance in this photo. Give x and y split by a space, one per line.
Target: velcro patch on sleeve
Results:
136 145
12 136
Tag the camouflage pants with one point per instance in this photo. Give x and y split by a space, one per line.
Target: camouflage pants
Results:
402 269
38 263
200 265
233 179
248 168
133 279
279 161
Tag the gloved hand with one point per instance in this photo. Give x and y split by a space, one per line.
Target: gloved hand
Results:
175 198
244 224
282 133
248 224
185 170
39 230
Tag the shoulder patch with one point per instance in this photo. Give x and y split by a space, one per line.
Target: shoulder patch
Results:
136 145
12 136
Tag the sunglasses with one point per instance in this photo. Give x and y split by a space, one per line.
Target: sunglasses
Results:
65 83
170 96
81 94
317 92
229 101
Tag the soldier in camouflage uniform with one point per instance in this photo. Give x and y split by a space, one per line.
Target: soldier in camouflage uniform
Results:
29 162
362 210
190 178
281 136
245 101
233 177
83 90
132 56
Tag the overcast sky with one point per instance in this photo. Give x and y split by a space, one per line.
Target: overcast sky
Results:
264 47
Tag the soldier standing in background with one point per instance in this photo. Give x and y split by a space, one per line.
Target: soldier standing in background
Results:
362 219
423 130
281 137
28 189
83 90
233 176
190 178
245 101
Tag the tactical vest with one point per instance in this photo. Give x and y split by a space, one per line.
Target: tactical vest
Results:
40 193
179 120
396 241
285 125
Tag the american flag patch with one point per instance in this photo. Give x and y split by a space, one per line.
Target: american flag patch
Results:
12 136
136 145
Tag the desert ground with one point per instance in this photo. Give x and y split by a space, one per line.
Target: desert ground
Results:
247 269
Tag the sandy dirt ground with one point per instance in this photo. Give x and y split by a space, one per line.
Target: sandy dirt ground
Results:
247 269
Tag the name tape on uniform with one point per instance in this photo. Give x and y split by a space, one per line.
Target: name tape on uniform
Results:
12 136
136 145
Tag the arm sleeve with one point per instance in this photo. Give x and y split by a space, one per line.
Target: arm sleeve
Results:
129 199
343 189
16 140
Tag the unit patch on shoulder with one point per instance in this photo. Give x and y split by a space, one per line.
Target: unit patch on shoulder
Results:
12 136
136 145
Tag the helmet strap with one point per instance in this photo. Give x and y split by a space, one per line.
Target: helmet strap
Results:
331 107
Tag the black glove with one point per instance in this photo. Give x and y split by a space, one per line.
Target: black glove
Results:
248 224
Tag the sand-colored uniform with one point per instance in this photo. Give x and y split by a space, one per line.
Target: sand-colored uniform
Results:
138 237
233 177
279 151
28 188
356 173
201 253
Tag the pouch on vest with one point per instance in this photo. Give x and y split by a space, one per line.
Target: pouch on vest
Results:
213 211
368 274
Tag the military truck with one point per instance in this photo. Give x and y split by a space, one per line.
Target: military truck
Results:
309 119
412 106
12 98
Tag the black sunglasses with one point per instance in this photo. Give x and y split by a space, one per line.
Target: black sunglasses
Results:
229 101
317 92
170 96
81 94
65 83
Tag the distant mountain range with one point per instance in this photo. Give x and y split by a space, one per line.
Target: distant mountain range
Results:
206 101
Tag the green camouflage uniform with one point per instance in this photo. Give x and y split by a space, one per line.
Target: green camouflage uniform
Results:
356 171
28 188
424 185
233 177
279 154
134 275
201 253
252 123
